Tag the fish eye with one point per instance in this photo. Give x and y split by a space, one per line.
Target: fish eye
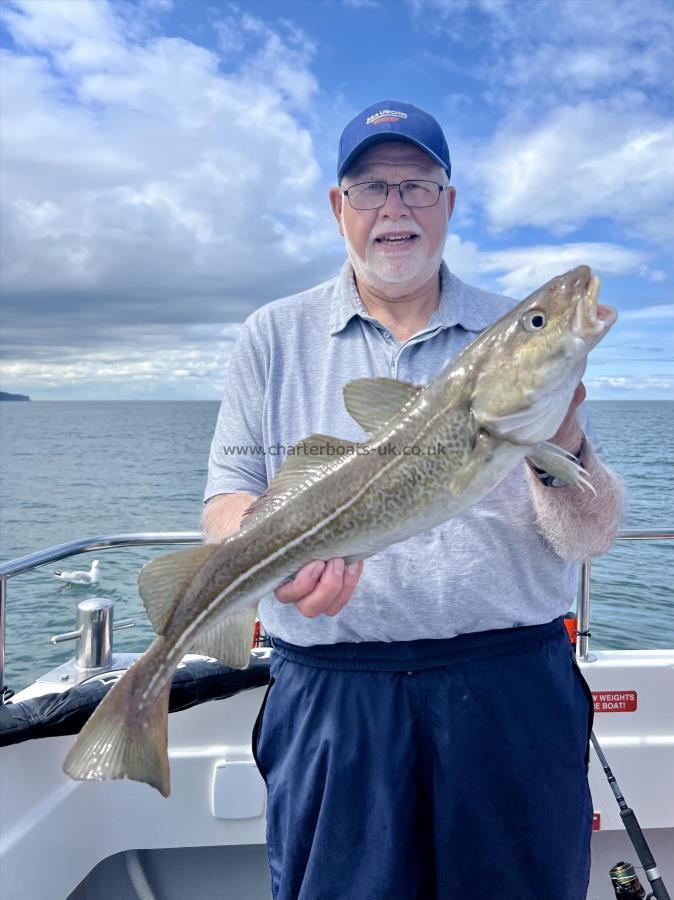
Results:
534 320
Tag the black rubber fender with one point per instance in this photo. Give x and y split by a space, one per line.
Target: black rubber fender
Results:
194 682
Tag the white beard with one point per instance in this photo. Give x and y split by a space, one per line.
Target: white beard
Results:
392 275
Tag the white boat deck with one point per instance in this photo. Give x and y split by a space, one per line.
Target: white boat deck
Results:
209 834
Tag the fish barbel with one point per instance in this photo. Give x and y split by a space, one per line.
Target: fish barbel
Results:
432 452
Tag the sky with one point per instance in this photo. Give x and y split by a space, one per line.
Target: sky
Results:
165 164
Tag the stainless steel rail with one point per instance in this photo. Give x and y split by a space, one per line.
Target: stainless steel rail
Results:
583 600
73 548
148 538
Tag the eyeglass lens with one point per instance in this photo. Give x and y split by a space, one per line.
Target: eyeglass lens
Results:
372 194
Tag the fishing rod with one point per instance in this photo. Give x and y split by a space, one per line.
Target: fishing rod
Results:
623 877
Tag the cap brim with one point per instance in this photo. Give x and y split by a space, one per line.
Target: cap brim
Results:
381 138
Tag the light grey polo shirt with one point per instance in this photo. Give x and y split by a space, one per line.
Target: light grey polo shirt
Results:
487 568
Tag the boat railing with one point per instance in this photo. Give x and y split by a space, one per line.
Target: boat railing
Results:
74 548
158 538
583 598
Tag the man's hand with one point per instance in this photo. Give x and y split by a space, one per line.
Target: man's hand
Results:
569 434
321 587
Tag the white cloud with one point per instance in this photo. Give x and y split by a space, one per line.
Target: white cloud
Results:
462 257
139 175
584 131
525 268
659 384
597 160
655 275
547 51
150 183
519 270
649 313
158 369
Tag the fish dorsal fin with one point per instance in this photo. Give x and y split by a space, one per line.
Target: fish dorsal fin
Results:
305 462
373 402
162 581
230 640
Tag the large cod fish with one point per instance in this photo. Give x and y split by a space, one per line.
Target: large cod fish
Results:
433 451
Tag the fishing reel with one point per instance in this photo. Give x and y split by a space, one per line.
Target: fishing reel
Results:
626 882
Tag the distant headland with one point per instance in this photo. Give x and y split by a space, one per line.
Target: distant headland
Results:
5 396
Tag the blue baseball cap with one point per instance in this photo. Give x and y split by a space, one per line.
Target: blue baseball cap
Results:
392 120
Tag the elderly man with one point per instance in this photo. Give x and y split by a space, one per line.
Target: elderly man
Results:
425 734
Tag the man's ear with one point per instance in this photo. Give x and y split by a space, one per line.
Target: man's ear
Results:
336 199
451 200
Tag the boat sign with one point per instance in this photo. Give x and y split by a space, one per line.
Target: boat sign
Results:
596 821
614 701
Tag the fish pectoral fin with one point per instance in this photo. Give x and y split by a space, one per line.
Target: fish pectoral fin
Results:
162 581
230 640
373 402
305 463
556 461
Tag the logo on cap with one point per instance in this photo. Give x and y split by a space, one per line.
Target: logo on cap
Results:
385 115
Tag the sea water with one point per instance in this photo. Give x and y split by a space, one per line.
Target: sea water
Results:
80 469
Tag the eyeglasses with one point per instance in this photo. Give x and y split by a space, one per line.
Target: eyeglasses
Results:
373 194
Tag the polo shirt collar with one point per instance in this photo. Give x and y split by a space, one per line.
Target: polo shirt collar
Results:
458 304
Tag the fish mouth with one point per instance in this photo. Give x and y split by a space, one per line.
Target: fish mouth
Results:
591 320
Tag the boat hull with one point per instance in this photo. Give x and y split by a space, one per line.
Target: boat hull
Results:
211 830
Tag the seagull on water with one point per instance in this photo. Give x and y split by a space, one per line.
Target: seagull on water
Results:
80 576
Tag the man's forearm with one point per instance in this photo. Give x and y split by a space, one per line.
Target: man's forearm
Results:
577 524
222 515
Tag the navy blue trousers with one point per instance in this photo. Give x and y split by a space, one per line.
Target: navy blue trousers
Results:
453 768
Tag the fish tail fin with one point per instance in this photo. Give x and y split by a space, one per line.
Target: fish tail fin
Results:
127 735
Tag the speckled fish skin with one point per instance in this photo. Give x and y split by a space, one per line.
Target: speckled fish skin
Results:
362 503
441 450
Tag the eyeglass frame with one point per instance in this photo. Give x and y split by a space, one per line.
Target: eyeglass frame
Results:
441 188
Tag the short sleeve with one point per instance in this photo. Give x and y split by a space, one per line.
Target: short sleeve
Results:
236 461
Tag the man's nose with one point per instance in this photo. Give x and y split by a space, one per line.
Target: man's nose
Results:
394 206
